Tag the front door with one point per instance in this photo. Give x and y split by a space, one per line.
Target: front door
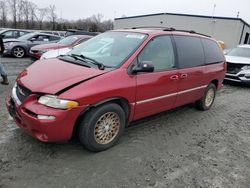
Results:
156 91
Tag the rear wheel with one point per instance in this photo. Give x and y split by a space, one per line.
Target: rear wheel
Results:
207 100
102 127
18 52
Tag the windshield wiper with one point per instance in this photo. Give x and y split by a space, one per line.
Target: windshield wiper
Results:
93 61
83 63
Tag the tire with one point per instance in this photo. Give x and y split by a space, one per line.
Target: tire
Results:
18 52
206 102
95 130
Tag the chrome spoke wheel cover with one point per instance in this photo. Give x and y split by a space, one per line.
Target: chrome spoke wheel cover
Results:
209 97
107 128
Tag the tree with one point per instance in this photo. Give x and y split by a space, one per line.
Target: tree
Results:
13 10
40 15
20 12
3 13
32 12
52 16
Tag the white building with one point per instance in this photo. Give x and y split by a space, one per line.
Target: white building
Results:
232 31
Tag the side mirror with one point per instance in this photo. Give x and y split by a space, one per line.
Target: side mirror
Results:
144 66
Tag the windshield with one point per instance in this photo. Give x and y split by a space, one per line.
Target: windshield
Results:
27 36
68 40
111 48
240 52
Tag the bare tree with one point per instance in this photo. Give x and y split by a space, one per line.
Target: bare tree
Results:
96 18
3 13
52 15
26 13
20 12
40 15
13 10
32 12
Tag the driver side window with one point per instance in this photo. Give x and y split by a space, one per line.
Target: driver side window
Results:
160 52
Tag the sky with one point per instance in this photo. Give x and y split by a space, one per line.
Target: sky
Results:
110 9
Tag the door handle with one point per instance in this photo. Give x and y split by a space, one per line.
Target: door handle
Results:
174 77
183 76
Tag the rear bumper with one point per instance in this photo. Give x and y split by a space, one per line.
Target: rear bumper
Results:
58 130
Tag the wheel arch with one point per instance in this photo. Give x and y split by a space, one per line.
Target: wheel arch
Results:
121 101
215 82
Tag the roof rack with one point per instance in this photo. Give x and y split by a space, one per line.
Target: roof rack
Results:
192 32
149 27
170 29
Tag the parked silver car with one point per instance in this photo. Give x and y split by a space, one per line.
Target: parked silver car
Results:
13 33
238 64
21 46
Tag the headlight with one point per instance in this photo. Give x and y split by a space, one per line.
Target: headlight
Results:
8 44
247 67
42 51
54 102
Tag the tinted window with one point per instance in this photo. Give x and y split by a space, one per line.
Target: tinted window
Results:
213 53
21 33
68 40
53 38
42 38
8 34
160 52
190 51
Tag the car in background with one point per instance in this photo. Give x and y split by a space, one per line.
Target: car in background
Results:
103 50
58 33
13 33
20 47
97 93
69 42
70 32
238 64
55 53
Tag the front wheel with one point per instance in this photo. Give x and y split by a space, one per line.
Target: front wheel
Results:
102 127
207 100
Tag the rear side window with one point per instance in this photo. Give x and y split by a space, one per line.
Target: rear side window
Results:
213 53
190 51
52 38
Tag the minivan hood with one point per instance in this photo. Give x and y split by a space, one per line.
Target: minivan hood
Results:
237 60
54 75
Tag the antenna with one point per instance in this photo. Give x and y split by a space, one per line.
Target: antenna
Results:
213 11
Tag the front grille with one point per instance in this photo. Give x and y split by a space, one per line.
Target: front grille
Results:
233 77
22 92
234 68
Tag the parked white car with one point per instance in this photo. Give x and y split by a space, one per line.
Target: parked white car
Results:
238 64
55 53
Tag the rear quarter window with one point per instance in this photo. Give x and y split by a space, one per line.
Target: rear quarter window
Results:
213 53
189 51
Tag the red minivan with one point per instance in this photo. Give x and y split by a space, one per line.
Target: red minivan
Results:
112 79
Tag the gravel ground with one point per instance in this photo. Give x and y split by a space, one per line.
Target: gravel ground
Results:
179 148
